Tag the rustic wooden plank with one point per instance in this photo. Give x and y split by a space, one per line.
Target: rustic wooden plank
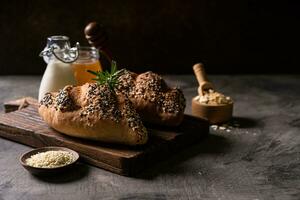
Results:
25 126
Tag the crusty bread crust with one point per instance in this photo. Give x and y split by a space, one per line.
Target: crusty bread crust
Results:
156 102
71 121
103 130
95 112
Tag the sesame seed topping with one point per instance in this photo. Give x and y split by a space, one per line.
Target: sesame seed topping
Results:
102 102
172 101
105 104
126 81
47 100
133 119
152 88
63 100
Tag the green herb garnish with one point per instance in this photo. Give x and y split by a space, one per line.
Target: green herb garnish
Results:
106 77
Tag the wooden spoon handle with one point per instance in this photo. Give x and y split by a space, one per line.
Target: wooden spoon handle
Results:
200 73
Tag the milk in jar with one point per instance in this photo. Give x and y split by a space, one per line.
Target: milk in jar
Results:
59 72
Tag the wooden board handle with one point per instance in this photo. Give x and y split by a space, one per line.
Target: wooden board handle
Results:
18 104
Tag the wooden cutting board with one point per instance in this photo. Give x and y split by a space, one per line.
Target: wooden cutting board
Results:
23 124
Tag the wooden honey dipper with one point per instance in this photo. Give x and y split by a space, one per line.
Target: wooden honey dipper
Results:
96 36
214 113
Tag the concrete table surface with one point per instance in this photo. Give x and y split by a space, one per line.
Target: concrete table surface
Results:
258 160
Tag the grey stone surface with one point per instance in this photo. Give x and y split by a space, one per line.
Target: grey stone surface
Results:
258 160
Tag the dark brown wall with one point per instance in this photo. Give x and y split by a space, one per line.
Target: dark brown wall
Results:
167 36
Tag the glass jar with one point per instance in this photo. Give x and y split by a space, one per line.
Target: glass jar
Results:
88 59
59 56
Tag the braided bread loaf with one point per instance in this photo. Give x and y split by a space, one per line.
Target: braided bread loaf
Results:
152 98
94 112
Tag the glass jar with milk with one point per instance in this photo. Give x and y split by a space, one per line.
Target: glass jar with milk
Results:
66 65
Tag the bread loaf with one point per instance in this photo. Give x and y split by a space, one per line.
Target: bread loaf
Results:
152 98
98 112
94 112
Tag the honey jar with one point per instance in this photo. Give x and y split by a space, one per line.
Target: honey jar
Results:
88 59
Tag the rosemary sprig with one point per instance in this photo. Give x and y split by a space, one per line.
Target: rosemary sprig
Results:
106 77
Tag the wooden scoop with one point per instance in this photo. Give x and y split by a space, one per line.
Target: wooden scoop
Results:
204 84
215 114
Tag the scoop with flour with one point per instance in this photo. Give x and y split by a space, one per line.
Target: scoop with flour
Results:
209 104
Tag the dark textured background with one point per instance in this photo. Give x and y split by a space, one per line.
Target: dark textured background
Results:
167 36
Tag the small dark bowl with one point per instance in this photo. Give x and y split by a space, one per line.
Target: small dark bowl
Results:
47 171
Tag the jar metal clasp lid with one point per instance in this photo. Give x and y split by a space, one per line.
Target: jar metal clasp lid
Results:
59 47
